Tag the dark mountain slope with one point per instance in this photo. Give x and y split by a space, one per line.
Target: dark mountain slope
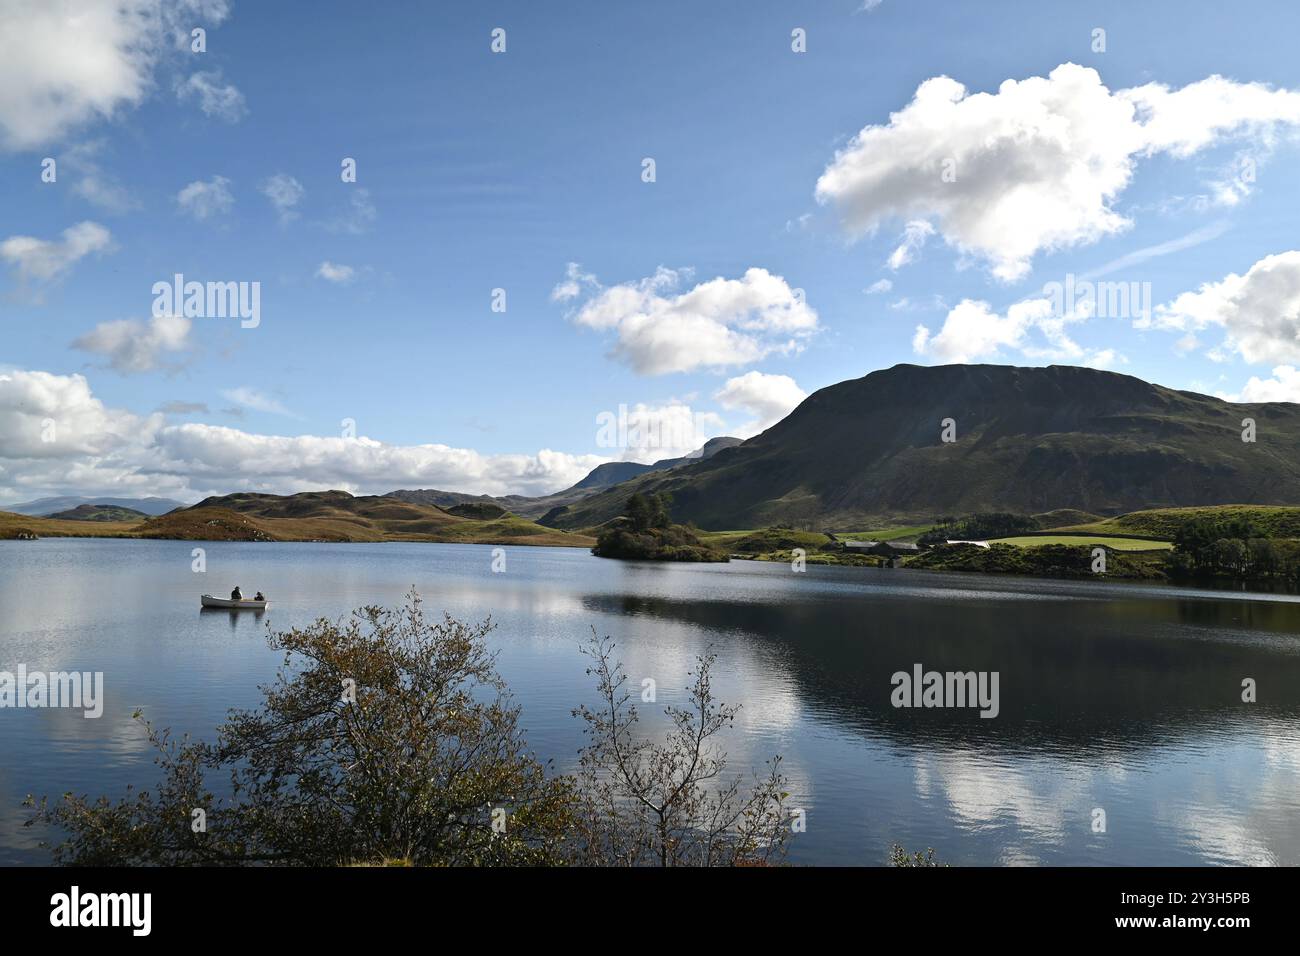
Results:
1028 440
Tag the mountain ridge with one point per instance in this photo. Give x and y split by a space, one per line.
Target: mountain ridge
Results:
1027 439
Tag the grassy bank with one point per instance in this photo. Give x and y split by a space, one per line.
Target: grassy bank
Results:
1116 543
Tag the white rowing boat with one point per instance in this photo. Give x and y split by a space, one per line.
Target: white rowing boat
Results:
246 604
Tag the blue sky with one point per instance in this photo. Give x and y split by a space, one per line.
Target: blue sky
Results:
711 299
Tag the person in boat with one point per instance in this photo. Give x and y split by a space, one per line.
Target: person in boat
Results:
236 594
260 597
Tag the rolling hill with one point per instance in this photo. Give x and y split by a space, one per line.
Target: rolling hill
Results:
310 516
1028 440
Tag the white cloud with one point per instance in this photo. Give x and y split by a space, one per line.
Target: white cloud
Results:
769 398
915 233
285 193
1284 386
1037 164
66 63
134 346
218 100
972 330
333 272
879 286
45 259
100 450
573 283
647 433
1259 311
719 323
205 199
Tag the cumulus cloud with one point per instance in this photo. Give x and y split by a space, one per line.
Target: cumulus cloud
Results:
1284 386
1259 311
333 272
768 398
100 450
43 260
879 287
133 346
972 331
285 193
216 99
648 433
1037 165
65 63
205 199
715 324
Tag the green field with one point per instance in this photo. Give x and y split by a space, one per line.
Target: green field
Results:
1272 521
885 534
1119 544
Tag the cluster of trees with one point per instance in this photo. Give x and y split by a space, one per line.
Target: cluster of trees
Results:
978 527
644 512
391 739
645 531
1231 547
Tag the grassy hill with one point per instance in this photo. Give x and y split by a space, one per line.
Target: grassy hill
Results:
311 516
99 513
1273 521
869 453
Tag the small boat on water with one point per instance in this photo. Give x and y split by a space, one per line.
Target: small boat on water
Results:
246 604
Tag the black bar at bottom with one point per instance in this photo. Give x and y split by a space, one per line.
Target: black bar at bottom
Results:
342 905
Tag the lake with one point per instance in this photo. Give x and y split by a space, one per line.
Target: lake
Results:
1121 697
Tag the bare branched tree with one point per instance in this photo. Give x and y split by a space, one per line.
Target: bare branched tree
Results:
670 804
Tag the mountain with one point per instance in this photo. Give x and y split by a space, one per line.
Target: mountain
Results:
99 513
1027 440
48 506
611 473
602 476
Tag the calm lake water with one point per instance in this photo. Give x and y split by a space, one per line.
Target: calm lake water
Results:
1120 697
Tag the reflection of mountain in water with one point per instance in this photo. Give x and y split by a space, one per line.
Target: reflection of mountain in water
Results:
1076 674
